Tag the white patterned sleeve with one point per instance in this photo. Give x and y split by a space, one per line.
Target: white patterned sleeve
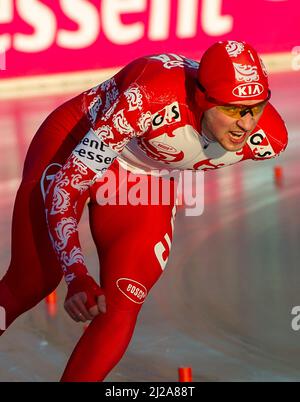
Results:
124 119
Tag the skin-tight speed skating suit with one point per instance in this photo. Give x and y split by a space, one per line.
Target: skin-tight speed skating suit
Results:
140 121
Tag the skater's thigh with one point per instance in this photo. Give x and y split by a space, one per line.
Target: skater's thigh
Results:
133 243
33 259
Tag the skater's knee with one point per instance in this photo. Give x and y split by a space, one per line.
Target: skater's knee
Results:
19 297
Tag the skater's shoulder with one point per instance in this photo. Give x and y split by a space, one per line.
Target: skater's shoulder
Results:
273 125
165 77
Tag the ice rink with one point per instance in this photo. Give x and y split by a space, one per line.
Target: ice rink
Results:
223 305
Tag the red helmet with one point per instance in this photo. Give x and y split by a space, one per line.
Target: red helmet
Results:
232 71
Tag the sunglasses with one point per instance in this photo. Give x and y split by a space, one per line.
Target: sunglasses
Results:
234 110
238 111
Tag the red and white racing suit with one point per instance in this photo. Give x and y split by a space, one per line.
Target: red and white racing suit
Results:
142 120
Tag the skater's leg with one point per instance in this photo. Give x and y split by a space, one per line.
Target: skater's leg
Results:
133 244
34 271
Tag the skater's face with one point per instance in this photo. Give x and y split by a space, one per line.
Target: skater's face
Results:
230 125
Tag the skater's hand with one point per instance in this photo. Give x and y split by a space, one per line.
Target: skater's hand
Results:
85 299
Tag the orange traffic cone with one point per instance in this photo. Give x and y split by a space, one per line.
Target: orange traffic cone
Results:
277 172
278 175
185 374
51 303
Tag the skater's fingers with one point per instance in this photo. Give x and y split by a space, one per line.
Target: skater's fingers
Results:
100 307
70 312
94 311
101 304
72 307
79 302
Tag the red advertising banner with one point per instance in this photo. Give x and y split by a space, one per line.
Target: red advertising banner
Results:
46 36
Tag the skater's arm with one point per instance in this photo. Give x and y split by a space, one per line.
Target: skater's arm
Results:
105 141
270 137
74 179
